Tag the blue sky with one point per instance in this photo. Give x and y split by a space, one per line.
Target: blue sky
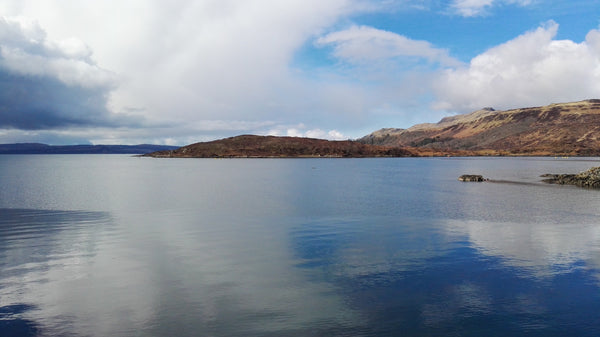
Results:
468 36
178 72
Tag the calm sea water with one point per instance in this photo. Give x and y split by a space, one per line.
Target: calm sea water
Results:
107 245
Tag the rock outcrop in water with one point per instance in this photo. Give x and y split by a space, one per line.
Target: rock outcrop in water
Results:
589 178
471 177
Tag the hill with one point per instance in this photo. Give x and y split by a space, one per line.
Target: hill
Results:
250 146
556 129
37 148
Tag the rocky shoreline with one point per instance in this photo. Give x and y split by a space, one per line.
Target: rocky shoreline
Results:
589 178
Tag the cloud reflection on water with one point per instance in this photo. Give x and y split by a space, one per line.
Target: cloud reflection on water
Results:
441 276
543 248
99 274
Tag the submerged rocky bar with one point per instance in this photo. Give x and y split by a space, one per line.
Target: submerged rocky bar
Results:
589 178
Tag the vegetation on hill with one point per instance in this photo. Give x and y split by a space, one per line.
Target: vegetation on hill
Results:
557 129
250 146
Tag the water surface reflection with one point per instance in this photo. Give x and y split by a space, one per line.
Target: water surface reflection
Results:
294 248
446 277
93 273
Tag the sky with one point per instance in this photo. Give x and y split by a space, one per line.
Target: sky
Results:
183 71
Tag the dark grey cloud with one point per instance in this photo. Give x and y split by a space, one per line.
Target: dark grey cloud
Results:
33 103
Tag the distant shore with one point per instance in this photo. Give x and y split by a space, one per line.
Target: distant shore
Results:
38 148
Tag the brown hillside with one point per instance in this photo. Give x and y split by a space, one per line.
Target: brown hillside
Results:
250 146
556 129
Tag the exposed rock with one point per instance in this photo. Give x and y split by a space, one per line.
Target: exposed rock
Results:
589 178
471 177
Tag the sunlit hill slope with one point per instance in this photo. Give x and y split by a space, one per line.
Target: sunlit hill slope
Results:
555 129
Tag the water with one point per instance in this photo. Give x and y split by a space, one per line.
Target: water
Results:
112 245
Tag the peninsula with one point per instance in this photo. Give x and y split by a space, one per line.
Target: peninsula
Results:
251 146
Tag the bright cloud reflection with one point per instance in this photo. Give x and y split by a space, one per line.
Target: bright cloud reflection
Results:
544 249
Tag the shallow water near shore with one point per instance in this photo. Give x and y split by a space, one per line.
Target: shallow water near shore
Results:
100 245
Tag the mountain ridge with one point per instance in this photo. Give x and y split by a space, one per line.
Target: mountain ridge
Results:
557 129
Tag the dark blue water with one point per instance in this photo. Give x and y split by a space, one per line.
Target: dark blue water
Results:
115 245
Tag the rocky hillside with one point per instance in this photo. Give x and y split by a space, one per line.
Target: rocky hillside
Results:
556 129
281 147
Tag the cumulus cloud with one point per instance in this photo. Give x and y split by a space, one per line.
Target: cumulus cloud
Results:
48 84
221 60
532 69
470 8
359 44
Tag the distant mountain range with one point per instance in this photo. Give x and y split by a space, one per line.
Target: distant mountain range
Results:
36 148
571 129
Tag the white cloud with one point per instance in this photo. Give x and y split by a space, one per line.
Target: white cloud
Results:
301 131
532 69
331 134
362 44
25 50
470 8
